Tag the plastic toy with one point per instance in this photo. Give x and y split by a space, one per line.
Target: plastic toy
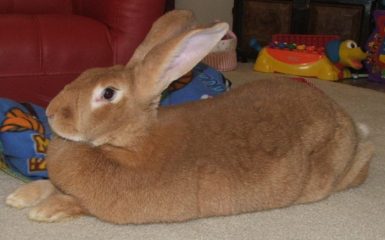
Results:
325 57
375 46
254 44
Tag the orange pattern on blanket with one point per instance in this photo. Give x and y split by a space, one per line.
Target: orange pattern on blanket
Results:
17 121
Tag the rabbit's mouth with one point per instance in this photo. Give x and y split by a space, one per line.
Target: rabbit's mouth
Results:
74 136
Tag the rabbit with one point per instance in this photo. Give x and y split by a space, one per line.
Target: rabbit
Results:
120 157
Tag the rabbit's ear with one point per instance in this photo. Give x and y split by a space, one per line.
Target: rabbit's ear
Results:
174 58
167 26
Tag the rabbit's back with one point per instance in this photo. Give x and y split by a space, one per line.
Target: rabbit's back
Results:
264 119
257 143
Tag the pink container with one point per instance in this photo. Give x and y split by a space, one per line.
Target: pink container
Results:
223 57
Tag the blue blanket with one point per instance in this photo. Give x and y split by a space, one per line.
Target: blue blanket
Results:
24 134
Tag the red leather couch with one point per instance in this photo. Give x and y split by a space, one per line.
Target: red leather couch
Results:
45 44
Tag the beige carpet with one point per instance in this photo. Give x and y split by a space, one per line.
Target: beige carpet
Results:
355 214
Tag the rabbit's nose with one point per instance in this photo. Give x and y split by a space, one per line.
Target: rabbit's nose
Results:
49 114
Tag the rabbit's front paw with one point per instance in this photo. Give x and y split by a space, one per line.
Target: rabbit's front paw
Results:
55 208
30 194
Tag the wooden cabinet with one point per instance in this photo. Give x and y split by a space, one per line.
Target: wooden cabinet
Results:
343 20
261 19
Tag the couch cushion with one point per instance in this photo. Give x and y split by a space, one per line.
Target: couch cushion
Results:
40 54
38 89
126 19
35 6
52 44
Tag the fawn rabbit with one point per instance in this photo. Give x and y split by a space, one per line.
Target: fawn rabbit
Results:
118 156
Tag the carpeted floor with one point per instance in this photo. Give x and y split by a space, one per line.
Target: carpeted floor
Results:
355 214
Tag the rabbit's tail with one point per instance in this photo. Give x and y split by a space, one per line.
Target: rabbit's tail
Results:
358 172
363 130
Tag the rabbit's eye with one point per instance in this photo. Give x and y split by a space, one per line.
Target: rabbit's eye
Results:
109 93
105 95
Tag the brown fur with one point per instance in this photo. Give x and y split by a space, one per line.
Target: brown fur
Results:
269 144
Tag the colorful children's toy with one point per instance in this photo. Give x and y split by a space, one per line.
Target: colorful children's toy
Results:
325 57
375 63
